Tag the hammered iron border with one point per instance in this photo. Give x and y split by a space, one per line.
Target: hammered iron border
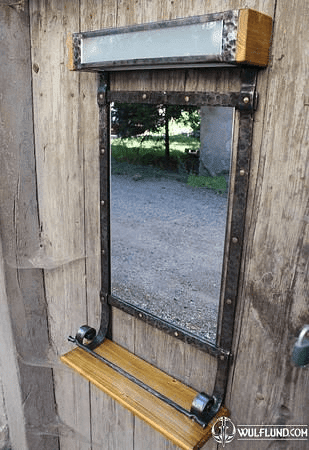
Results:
222 347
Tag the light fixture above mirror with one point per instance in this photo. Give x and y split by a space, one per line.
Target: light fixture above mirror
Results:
222 39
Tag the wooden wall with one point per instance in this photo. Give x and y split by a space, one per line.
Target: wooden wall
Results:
50 231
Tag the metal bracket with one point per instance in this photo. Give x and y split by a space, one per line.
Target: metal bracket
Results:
86 333
248 97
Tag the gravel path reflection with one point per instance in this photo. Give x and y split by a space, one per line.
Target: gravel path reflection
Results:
167 249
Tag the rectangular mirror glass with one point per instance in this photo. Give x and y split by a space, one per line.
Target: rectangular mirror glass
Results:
170 170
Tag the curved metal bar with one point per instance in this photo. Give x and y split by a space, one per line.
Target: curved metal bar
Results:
104 155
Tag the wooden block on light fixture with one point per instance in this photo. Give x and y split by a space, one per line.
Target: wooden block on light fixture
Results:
253 38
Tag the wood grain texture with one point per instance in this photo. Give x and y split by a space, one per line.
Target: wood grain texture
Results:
264 386
11 410
60 184
253 37
182 80
23 300
172 424
96 14
69 44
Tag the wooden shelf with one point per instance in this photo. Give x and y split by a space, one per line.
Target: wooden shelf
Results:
174 425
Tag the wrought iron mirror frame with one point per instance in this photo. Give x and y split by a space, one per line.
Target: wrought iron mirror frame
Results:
245 102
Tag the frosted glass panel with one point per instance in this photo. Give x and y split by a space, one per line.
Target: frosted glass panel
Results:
187 40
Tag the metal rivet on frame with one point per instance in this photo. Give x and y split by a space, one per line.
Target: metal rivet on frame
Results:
234 240
176 333
102 151
187 98
140 315
144 96
246 100
102 202
242 172
229 301
101 96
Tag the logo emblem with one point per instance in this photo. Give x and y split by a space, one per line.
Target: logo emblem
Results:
223 431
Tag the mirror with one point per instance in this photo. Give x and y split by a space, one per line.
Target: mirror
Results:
170 169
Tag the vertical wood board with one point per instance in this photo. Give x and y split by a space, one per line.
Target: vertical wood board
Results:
116 427
61 194
264 386
22 283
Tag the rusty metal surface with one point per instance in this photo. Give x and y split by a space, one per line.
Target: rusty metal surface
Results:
77 50
230 99
237 229
229 37
104 154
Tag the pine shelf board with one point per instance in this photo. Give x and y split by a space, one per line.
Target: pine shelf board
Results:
174 425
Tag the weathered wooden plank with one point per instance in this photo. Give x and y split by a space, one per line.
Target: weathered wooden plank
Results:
189 80
60 169
264 386
95 14
191 366
23 287
12 418
4 428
